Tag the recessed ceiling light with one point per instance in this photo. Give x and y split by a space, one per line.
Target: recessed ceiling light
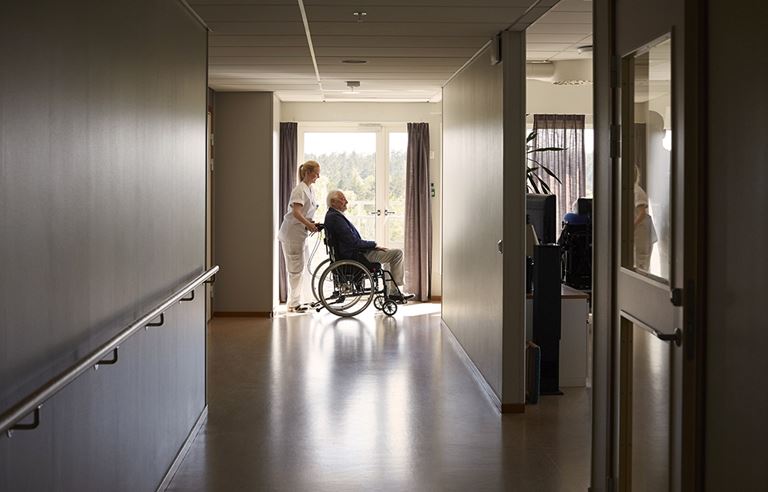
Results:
587 48
354 61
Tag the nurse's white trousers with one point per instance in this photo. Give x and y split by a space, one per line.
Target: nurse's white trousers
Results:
295 253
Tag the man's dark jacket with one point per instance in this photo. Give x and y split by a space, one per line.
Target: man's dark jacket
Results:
344 236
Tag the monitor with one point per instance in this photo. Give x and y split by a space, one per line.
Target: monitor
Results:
541 210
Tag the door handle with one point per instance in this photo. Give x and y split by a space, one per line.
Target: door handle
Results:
375 212
389 212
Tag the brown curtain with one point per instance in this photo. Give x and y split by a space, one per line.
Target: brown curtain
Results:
289 148
418 215
562 130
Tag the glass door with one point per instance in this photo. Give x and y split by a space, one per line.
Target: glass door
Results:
368 165
392 196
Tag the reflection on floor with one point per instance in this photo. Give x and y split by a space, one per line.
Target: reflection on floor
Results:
317 403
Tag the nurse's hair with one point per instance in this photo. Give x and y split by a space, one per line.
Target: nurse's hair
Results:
332 196
307 167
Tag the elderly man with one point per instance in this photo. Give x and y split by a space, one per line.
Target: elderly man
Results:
350 244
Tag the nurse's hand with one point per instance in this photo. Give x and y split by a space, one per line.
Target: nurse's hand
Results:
312 227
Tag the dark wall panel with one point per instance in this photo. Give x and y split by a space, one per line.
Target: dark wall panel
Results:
737 233
102 213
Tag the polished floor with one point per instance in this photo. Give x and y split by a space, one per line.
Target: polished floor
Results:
315 403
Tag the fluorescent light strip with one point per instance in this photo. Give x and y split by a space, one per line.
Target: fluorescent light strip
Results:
311 47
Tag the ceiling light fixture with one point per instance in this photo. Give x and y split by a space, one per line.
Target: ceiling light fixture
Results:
354 62
352 84
587 48
360 15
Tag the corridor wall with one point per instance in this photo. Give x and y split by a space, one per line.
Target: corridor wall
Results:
102 214
245 241
483 182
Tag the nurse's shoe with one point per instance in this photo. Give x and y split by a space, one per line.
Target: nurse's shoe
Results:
297 309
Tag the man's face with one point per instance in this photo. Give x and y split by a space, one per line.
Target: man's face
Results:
341 203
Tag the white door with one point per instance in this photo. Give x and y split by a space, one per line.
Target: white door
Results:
649 273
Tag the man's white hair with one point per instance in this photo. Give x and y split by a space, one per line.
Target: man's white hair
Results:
332 195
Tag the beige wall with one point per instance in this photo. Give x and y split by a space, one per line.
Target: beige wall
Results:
308 113
548 98
483 290
473 181
244 221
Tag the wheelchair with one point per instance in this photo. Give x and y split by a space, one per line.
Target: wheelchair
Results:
347 286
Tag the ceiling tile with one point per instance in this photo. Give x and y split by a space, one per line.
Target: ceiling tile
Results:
410 49
414 14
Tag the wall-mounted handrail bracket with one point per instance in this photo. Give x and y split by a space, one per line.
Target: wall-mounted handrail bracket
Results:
190 298
156 323
29 426
113 360
211 280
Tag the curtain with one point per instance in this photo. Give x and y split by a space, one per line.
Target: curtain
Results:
418 215
289 148
562 130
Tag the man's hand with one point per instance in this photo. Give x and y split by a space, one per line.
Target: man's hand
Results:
379 248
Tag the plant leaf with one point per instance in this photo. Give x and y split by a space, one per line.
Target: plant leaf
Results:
551 174
533 183
547 149
530 137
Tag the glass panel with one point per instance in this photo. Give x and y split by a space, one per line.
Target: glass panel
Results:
651 410
347 163
648 161
395 220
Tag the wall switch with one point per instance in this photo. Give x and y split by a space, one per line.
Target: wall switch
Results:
431 154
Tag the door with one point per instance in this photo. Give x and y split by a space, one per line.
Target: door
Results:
646 274
649 244
367 163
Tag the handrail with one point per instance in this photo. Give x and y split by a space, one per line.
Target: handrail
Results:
32 403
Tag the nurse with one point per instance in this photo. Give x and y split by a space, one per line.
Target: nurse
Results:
297 224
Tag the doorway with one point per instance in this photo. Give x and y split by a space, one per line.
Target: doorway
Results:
367 163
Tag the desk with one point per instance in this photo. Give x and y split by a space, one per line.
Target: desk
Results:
574 336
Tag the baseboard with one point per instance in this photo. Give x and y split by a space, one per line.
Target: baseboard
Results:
513 408
478 376
243 314
436 298
183 451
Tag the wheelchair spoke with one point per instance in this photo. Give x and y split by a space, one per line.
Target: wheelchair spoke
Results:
345 288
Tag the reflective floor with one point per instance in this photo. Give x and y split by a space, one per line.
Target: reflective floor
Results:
310 402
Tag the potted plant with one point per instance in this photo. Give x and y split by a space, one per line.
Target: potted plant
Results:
534 182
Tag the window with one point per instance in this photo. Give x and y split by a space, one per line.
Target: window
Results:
367 163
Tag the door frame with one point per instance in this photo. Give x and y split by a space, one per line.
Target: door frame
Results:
691 117
382 131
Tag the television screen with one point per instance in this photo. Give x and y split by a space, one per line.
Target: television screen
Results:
541 213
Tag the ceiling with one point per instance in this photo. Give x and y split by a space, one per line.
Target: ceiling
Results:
411 48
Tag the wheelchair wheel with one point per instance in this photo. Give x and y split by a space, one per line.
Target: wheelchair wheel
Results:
315 280
346 288
378 302
389 308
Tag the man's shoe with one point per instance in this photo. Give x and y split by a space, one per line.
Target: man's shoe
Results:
400 297
297 309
